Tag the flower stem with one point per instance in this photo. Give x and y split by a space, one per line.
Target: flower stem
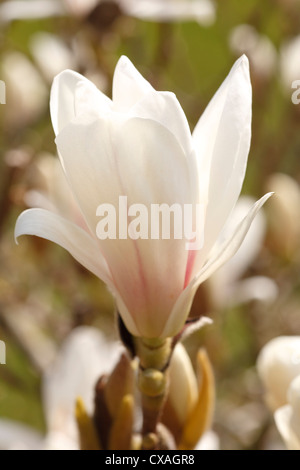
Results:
154 356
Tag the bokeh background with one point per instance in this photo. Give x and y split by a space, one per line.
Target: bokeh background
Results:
44 293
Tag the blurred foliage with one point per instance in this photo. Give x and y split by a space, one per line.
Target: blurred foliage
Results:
192 61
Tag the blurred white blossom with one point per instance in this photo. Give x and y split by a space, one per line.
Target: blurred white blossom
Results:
284 207
85 355
278 365
290 62
80 7
51 54
202 11
27 93
288 417
29 9
258 47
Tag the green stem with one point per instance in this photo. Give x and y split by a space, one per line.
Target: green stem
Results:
154 356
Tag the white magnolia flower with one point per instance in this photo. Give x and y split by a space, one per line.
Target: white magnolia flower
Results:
278 364
85 356
139 145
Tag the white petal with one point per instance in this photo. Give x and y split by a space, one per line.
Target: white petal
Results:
195 326
209 441
224 282
17 436
183 389
59 441
129 86
164 108
251 245
133 94
222 138
85 356
294 400
142 160
225 252
57 196
73 95
75 240
283 418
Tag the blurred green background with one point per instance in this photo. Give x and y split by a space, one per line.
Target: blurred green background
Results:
44 293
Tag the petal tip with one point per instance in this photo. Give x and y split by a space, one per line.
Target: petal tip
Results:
17 231
123 62
268 195
242 64
244 59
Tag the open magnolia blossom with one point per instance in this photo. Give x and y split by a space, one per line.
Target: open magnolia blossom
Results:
85 356
278 365
139 145
225 287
